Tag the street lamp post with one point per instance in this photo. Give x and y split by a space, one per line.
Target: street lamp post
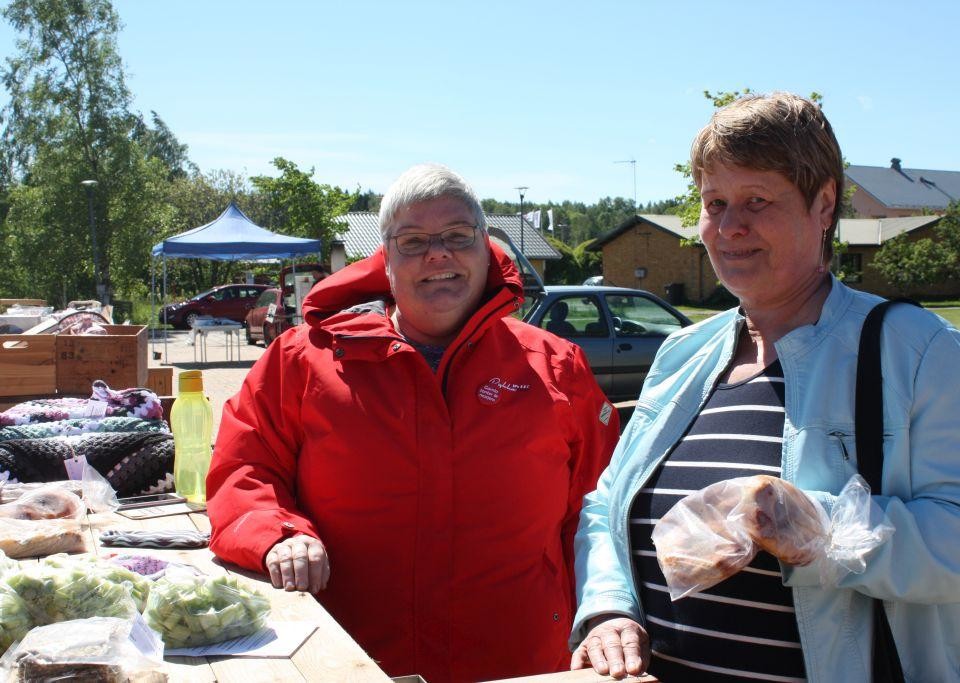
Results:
88 185
521 189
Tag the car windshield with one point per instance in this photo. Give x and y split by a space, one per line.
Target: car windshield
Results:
201 295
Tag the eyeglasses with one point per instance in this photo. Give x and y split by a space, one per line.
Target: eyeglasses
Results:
454 239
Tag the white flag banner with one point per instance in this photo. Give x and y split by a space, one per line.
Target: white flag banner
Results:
550 217
533 218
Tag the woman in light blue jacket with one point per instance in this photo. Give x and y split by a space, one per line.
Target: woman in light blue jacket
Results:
768 389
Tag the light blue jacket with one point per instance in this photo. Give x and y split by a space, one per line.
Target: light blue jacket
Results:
916 572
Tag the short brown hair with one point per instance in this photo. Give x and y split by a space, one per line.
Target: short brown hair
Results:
777 132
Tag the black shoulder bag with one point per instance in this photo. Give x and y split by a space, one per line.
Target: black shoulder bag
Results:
869 435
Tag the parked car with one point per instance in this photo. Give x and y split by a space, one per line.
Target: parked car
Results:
276 311
263 320
619 329
226 301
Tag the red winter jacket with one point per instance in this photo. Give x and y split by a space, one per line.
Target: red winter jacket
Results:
447 501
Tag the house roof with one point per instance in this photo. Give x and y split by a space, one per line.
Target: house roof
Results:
534 245
854 231
363 236
665 222
875 231
907 188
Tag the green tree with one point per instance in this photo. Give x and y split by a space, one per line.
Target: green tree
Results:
67 120
576 263
300 206
909 264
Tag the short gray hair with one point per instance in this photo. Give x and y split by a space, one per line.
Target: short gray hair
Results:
422 183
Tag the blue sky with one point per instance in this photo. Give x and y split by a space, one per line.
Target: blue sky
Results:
543 94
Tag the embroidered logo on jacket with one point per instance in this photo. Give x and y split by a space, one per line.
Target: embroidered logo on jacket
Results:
491 391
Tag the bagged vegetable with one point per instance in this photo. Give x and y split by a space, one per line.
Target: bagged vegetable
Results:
104 570
53 594
712 534
15 618
190 610
98 649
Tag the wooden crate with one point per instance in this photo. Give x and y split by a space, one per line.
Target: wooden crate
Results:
160 381
27 364
119 358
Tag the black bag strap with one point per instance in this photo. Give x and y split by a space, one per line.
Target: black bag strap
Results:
868 416
869 406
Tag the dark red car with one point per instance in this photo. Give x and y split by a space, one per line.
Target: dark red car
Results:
226 301
259 328
276 311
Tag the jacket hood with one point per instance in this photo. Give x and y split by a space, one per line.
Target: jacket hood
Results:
366 280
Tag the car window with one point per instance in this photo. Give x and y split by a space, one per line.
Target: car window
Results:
267 298
638 316
575 316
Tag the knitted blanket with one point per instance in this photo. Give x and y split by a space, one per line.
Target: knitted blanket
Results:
134 463
104 402
43 430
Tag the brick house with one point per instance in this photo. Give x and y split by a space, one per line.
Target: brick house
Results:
646 252
363 237
894 191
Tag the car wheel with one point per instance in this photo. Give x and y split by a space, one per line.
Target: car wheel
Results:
190 318
250 341
267 336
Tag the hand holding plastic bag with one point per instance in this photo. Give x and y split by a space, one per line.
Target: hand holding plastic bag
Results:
712 534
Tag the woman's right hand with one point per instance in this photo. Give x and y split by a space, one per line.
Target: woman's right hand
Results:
615 646
299 563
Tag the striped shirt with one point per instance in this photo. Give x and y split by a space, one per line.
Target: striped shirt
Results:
743 628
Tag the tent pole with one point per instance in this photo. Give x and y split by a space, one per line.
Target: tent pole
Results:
166 355
296 292
153 287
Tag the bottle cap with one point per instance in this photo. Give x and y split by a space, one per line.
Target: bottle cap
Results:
190 380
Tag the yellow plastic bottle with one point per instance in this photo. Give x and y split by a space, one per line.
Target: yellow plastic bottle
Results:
191 419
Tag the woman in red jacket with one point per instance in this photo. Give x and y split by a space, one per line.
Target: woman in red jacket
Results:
415 456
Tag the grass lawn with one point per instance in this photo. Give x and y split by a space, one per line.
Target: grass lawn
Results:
950 310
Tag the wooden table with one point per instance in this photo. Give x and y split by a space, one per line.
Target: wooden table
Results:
330 654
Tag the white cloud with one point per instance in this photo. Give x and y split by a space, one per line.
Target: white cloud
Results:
866 102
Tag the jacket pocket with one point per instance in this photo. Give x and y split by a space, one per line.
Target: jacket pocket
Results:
823 457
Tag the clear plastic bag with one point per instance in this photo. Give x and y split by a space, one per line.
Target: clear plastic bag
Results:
15 619
101 649
60 593
41 522
712 534
189 610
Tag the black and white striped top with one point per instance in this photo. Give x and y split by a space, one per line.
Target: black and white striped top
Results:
744 627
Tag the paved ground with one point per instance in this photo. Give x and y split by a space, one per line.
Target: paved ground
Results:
221 377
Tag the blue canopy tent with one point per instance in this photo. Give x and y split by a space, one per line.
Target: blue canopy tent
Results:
231 237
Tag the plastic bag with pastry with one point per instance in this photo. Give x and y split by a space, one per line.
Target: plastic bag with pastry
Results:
701 541
782 519
713 533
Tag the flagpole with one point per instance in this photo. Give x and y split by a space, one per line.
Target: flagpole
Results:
632 162
521 189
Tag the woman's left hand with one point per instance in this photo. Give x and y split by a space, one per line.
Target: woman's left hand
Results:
615 646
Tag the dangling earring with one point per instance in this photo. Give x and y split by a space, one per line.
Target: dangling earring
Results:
823 245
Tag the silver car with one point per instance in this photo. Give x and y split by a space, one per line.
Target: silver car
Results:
619 329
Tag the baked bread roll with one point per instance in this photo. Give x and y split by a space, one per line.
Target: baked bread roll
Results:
698 545
783 520
48 502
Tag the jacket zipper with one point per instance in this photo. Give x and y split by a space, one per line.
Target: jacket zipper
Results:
455 351
843 447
